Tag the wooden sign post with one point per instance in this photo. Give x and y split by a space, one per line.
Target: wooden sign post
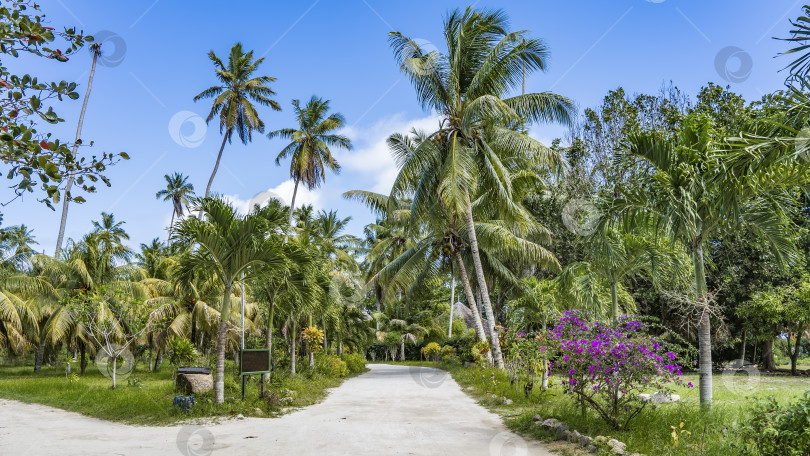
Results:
253 362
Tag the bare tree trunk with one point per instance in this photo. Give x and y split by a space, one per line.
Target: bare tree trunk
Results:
83 361
794 355
219 378
767 355
96 48
704 330
292 202
171 225
495 340
219 375
465 281
292 349
158 359
216 165
114 370
39 357
268 341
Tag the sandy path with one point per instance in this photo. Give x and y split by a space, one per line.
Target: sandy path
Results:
391 410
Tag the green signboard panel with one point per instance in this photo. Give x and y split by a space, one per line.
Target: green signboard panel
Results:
255 361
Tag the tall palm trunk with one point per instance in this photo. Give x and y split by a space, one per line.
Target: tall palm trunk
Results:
40 356
495 340
268 341
292 203
83 360
465 281
704 329
66 199
292 348
219 378
171 225
216 165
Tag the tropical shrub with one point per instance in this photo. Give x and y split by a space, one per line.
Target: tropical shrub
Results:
330 366
779 429
355 362
608 365
182 353
313 337
432 351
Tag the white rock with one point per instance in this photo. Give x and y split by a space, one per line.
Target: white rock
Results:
551 423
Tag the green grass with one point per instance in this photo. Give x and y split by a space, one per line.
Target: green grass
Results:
151 404
712 432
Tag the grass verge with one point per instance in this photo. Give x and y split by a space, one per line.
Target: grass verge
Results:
711 432
145 398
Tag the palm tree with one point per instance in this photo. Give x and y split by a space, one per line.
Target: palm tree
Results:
95 48
15 246
309 151
234 98
613 256
179 191
227 245
692 192
483 63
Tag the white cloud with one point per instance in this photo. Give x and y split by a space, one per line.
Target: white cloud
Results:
371 156
284 191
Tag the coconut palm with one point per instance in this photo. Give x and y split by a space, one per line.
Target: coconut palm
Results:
95 48
465 86
179 191
15 246
693 190
227 245
308 150
234 96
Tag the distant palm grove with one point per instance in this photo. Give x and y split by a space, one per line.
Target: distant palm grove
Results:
662 244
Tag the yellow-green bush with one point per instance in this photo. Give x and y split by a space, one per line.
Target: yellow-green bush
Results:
330 366
356 362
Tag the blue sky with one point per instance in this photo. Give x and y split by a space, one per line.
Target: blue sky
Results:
141 100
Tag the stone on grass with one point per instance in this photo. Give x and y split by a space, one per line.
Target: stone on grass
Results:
585 441
506 401
591 449
551 423
537 418
659 398
616 446
562 431
194 383
574 436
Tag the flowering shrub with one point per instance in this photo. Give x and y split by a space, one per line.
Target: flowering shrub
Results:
608 364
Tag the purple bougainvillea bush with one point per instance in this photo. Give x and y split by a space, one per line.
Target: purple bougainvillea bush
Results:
607 365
